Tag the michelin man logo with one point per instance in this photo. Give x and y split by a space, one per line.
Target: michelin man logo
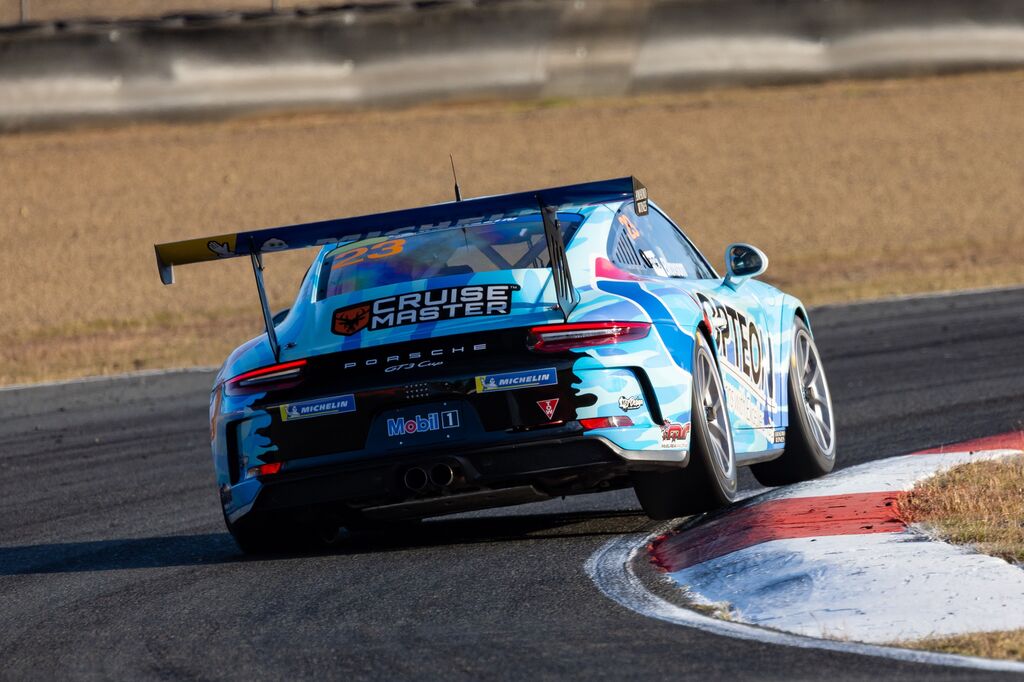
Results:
222 250
274 244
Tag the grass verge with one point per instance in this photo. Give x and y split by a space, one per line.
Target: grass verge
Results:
855 189
980 504
1007 644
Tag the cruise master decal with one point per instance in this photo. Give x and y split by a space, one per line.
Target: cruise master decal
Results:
431 305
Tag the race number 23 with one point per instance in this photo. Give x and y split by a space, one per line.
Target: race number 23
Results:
372 252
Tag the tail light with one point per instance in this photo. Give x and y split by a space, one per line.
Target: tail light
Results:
605 422
284 375
263 470
553 338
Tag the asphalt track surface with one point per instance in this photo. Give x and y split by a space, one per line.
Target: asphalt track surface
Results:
114 562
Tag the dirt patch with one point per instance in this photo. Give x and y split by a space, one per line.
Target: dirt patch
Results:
854 189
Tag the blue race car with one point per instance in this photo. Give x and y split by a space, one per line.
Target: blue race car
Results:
503 350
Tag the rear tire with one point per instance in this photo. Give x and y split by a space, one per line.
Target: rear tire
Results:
709 480
811 435
272 535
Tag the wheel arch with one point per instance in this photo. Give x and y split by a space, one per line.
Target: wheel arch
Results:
799 310
702 328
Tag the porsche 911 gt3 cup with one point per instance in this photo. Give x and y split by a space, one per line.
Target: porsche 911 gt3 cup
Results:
503 350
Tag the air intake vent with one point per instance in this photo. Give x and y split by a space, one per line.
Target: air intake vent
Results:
625 254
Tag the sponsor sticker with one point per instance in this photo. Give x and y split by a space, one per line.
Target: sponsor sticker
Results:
640 199
321 407
432 305
630 402
673 432
509 381
779 437
743 346
548 407
432 421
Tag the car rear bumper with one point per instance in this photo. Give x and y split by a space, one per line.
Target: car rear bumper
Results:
486 477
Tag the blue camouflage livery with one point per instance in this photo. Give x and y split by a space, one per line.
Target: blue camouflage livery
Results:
411 352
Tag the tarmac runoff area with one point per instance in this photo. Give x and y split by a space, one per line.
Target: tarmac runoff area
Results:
831 559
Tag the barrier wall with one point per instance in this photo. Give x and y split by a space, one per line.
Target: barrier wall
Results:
408 52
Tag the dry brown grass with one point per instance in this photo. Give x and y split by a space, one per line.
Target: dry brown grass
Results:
979 504
1005 644
855 189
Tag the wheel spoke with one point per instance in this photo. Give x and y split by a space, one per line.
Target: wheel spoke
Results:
706 378
815 430
823 431
816 401
717 432
720 455
812 374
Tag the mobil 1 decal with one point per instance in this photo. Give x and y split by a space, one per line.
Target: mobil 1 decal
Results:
432 305
747 349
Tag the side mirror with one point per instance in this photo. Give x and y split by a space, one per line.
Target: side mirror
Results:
743 261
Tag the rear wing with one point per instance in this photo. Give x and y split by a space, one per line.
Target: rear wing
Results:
407 221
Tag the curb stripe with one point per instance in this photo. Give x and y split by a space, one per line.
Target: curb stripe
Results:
611 570
782 519
1004 441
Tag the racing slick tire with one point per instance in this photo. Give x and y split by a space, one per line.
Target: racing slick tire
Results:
811 435
272 535
709 480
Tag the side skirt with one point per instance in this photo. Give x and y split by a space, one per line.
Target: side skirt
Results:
744 459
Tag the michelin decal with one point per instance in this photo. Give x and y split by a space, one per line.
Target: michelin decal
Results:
321 407
509 381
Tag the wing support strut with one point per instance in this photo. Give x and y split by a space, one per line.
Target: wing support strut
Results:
565 293
257 270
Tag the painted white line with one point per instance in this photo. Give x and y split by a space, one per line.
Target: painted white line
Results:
110 377
611 570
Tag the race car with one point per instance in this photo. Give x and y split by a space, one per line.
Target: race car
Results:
501 350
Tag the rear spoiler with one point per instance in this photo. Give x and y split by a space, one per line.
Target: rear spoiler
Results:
413 220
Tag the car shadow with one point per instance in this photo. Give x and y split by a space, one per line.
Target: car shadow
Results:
203 549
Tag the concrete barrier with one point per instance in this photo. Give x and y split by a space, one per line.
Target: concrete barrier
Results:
404 52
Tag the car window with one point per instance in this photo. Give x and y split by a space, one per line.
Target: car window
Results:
652 245
502 244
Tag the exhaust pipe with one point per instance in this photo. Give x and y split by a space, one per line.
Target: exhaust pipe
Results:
415 479
441 475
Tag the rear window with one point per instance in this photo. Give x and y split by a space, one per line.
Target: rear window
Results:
505 244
